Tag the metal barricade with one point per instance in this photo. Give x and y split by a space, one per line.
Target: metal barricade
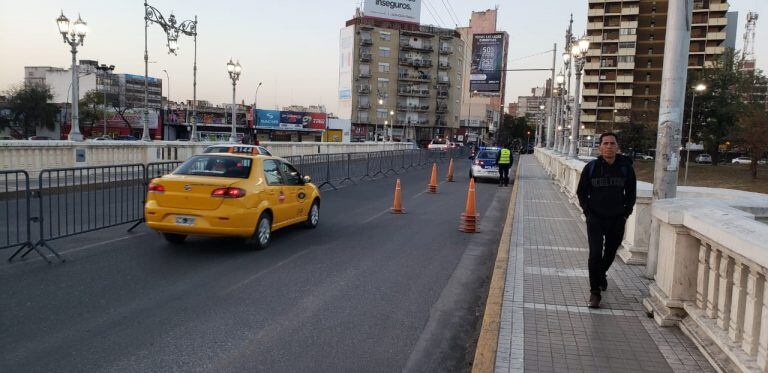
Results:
358 165
79 200
15 210
339 168
157 169
318 168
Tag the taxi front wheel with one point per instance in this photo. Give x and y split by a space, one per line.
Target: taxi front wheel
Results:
313 217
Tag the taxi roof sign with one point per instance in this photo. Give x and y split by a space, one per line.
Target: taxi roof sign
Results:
244 150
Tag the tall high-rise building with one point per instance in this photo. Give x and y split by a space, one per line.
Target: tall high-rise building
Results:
399 78
481 112
622 75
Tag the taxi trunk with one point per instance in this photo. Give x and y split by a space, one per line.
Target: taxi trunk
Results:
185 191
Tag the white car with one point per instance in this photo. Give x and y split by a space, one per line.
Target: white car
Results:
646 157
484 165
742 160
439 144
703 158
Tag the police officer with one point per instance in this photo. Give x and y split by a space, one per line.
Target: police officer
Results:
504 161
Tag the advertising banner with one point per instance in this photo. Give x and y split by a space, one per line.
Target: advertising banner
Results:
346 50
487 63
291 120
317 121
267 118
398 10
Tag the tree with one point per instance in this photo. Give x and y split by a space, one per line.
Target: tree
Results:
753 134
91 107
120 110
513 128
30 107
717 111
640 133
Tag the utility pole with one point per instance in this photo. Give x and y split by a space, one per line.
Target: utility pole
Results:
551 103
672 102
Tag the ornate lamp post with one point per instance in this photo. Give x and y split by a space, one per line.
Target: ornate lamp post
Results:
74 35
172 31
578 52
234 74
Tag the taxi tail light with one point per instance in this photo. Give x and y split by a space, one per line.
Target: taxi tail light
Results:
228 193
156 188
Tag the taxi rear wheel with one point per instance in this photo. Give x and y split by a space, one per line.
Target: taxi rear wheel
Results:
173 238
313 217
263 234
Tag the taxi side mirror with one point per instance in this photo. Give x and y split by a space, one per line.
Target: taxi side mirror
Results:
307 179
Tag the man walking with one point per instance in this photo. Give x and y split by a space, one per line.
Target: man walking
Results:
504 161
607 191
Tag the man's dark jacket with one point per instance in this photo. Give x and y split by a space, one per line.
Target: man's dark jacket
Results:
608 191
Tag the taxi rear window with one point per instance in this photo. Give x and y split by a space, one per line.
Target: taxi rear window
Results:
216 166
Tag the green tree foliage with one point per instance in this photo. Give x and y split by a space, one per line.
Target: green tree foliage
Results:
718 109
29 107
514 128
91 108
753 134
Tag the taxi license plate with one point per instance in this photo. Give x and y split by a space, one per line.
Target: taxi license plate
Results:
185 220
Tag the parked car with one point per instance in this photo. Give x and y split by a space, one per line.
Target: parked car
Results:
484 165
741 160
39 138
644 157
126 138
703 158
762 161
102 138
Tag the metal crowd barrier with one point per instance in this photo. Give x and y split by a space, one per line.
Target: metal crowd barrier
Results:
15 210
71 201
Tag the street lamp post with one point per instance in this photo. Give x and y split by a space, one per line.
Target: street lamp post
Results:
578 52
74 35
255 116
392 126
551 136
105 70
697 88
234 73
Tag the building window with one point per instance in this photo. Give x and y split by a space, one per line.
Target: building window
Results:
647 77
382 85
627 31
383 35
384 51
647 90
381 113
626 59
627 44
383 67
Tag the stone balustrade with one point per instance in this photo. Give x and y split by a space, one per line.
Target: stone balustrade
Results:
712 264
34 156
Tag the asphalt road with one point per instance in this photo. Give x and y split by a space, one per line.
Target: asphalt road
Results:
365 291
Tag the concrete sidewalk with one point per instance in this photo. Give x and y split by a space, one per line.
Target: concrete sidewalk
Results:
545 323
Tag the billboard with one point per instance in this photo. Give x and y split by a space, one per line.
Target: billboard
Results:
398 10
317 121
267 118
346 50
487 62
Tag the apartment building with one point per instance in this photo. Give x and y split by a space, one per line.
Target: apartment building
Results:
400 79
622 75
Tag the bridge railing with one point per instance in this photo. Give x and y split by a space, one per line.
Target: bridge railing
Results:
15 209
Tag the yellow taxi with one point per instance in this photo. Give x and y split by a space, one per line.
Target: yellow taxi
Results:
236 194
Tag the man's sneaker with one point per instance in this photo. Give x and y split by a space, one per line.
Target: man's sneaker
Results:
604 284
594 300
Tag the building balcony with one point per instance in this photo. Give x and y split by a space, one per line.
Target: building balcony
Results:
626 65
364 89
413 92
588 118
715 50
401 122
593 52
591 65
624 92
415 77
589 105
443 80
720 21
630 11
629 24
625 78
716 36
442 94
594 38
401 107
365 57
594 25
623 105
627 51
444 65
364 74
407 45
446 50
415 62
591 78
628 38
441 123
721 7
363 105
595 12
366 41
621 119
589 92
441 109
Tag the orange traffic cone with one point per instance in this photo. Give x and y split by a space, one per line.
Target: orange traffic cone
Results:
432 187
397 206
450 172
469 216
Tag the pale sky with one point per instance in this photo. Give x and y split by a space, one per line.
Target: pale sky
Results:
290 46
